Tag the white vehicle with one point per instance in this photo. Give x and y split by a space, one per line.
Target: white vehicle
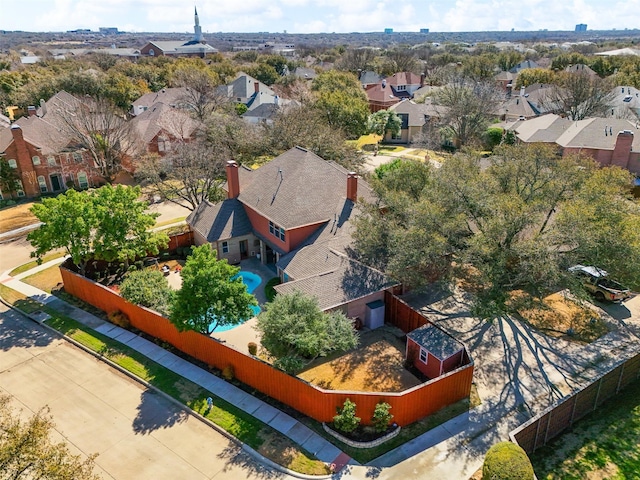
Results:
597 283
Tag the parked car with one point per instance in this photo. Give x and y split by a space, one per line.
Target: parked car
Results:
598 284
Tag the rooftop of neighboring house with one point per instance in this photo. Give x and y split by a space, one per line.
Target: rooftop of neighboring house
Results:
620 51
580 68
245 86
161 117
368 77
169 47
436 341
382 94
4 121
591 133
344 280
418 113
505 76
168 96
522 65
298 188
264 111
518 106
626 102
404 78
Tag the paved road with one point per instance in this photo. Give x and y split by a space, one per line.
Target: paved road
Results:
136 432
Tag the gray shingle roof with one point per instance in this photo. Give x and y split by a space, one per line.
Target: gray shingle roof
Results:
345 280
298 188
226 219
170 96
435 341
416 111
590 133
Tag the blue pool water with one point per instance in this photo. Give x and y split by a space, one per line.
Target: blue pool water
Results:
251 280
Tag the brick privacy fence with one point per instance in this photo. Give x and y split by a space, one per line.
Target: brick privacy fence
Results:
542 428
407 406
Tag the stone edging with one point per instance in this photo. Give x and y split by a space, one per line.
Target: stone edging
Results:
354 444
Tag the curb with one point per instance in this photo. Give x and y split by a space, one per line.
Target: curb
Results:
244 447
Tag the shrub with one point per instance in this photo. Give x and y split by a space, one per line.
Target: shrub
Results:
506 461
228 373
253 348
381 417
148 288
346 419
119 318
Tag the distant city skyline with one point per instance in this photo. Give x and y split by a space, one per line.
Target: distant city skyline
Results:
318 16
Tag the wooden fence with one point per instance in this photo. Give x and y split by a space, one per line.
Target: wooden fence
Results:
542 428
315 402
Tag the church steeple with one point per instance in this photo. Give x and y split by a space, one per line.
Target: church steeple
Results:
197 29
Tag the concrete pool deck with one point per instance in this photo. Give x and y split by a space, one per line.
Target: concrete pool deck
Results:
240 336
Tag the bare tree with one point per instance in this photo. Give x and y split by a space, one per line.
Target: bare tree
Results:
401 60
355 60
579 95
202 95
465 108
191 173
102 129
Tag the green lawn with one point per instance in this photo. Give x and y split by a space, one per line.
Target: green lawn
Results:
604 444
34 263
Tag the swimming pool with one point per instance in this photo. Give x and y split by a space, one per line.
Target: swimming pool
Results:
252 281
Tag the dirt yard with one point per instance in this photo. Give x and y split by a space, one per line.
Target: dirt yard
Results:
562 316
17 216
46 279
376 366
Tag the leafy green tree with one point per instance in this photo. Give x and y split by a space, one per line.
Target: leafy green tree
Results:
507 461
148 288
27 450
339 96
346 420
108 224
382 416
210 295
507 59
295 331
382 121
531 76
263 72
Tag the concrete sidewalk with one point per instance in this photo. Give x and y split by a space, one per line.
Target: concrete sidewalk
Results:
280 421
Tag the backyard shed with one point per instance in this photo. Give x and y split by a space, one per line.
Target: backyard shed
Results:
433 351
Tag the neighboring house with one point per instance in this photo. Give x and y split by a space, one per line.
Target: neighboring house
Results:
518 108
414 116
196 47
46 158
249 91
380 96
506 80
305 72
405 84
169 96
162 126
433 351
368 78
263 113
620 51
582 69
625 103
609 141
523 65
392 89
538 95
4 121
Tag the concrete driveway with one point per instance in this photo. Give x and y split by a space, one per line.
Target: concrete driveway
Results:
136 432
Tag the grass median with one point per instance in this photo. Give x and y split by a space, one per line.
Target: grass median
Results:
238 423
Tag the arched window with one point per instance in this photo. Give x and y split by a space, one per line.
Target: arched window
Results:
152 52
12 163
36 160
83 181
43 184
20 188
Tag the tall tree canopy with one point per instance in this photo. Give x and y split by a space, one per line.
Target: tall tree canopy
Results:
520 219
109 224
340 97
212 294
383 120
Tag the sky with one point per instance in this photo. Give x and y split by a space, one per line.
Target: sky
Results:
318 16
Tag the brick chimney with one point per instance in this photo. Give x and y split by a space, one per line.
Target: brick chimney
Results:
31 110
22 152
622 149
422 77
256 87
352 186
233 181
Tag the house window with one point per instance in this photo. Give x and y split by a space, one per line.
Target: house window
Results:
43 184
20 188
423 356
276 231
51 161
152 52
77 156
401 88
225 247
12 163
36 160
83 181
